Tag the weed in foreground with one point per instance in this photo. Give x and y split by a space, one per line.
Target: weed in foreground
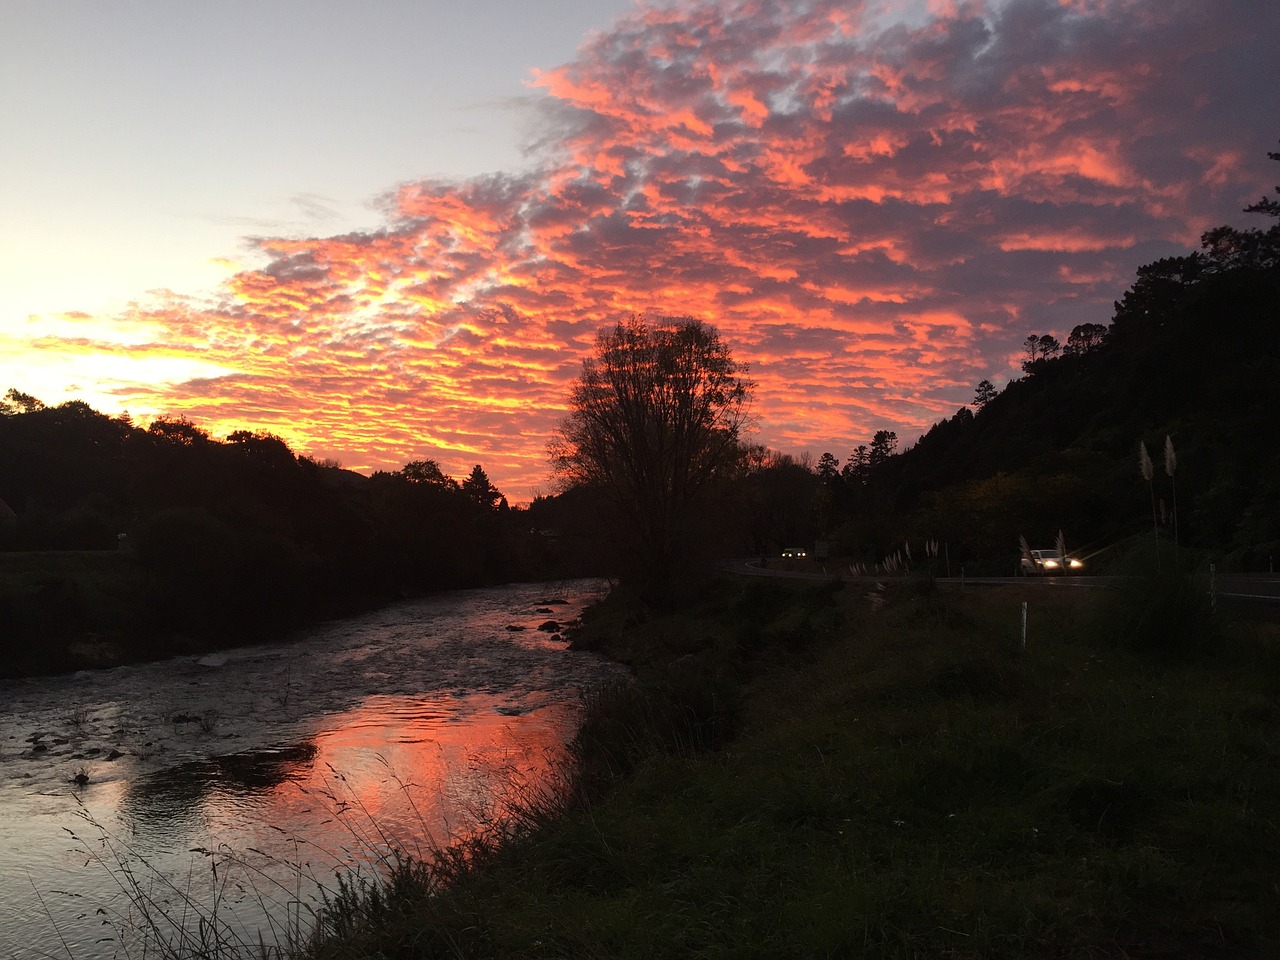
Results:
237 905
227 905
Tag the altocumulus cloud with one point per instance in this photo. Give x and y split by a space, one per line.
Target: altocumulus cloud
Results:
875 216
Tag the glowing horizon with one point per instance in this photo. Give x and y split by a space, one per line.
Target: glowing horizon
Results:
874 216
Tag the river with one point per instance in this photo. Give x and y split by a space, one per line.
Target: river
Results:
233 786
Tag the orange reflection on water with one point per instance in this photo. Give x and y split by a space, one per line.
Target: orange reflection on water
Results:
403 773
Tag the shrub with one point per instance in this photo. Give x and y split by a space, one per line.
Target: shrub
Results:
1165 611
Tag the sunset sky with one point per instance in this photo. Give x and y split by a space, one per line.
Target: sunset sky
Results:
391 231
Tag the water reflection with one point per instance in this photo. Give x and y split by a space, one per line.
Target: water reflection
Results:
160 801
419 772
394 774
247 778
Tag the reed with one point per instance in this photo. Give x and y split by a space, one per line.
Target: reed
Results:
1147 470
1171 469
249 905
199 915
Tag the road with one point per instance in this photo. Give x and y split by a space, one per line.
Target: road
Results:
1256 586
1259 587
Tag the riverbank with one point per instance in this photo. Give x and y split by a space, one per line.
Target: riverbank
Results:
68 610
225 790
827 771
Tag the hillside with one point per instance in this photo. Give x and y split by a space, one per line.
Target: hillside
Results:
1192 353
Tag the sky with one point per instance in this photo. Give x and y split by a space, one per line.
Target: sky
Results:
391 231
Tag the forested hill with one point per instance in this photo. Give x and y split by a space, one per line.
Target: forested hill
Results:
1192 354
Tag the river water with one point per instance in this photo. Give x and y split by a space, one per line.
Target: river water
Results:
136 801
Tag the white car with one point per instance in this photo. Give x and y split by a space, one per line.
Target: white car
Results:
1050 562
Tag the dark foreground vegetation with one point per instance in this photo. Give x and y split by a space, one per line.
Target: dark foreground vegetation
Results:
884 771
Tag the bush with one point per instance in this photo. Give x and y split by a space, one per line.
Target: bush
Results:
1162 610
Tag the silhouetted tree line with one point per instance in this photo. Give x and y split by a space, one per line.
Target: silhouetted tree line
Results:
239 535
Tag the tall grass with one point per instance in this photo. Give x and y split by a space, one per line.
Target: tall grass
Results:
1162 609
241 904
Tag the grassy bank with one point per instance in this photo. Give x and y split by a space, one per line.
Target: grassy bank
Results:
831 772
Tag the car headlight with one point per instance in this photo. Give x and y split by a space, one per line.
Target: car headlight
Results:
1051 563
1076 564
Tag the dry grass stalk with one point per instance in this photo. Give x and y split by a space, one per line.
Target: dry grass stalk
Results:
1148 472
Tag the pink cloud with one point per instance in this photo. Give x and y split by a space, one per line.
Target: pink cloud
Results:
874 221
